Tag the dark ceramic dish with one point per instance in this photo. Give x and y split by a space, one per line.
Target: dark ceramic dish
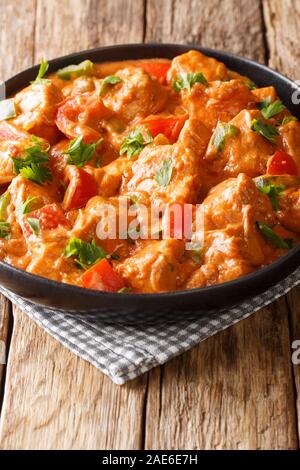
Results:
124 307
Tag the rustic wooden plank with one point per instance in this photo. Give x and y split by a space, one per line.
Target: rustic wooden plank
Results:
17 21
231 392
78 24
283 35
5 317
18 54
230 25
53 399
293 299
235 390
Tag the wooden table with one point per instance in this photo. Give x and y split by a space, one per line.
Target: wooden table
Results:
237 390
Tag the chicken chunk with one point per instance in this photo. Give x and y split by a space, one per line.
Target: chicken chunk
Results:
244 152
290 134
155 268
233 245
194 61
12 143
137 96
36 110
178 164
220 101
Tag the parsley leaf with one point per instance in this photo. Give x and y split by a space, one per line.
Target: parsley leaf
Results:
266 130
269 234
36 173
5 230
222 131
287 119
273 191
124 290
164 174
250 85
7 109
42 72
31 165
86 254
4 200
84 68
110 80
25 207
187 80
79 152
268 109
34 224
135 142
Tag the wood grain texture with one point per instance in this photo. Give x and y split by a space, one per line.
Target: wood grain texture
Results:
54 400
5 317
235 390
85 24
17 19
230 24
283 36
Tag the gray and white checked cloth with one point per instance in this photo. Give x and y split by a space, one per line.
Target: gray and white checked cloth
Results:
124 352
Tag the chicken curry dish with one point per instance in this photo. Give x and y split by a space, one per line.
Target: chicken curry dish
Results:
155 133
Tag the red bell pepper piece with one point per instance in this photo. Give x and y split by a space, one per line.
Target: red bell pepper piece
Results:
49 217
82 187
103 277
281 164
158 70
169 126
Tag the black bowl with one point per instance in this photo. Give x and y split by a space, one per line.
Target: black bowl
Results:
127 307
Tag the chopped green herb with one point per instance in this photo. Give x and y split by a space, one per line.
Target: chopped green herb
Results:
269 110
187 80
115 256
25 207
87 254
42 72
5 230
98 162
287 119
79 153
197 255
34 224
32 164
266 130
264 103
223 131
7 109
164 174
110 80
124 290
135 142
273 191
4 201
40 143
36 173
269 234
250 85
84 68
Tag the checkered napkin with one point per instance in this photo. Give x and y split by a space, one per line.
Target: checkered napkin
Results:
124 352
